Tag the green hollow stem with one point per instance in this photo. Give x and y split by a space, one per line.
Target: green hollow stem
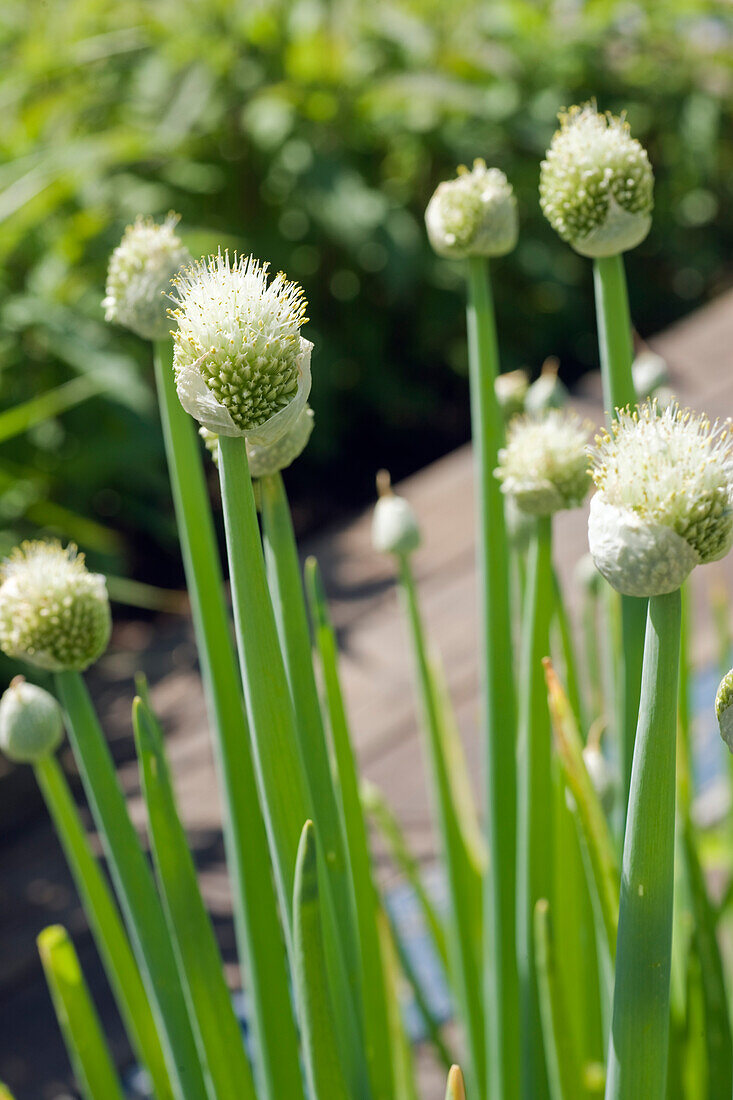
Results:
374 993
402 1054
563 1061
77 1017
637 1059
221 1047
256 919
324 1071
616 352
535 873
105 923
464 887
134 887
498 704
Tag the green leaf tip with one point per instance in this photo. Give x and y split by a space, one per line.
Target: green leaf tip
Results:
456 1089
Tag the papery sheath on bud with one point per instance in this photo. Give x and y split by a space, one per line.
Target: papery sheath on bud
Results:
395 528
54 613
596 183
266 459
665 498
474 214
31 726
602 776
139 277
544 465
547 391
511 391
242 367
724 708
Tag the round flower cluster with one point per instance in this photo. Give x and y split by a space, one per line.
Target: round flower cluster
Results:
139 277
596 183
54 613
544 465
665 498
266 459
473 215
242 368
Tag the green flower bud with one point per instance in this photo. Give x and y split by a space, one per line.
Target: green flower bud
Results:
649 372
394 524
139 277
665 498
31 726
724 710
511 390
596 183
54 613
242 368
474 214
267 459
547 391
544 465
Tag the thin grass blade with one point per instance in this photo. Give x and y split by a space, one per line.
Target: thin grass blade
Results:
563 1063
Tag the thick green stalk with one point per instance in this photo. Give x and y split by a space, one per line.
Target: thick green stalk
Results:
376 1016
617 352
535 836
464 888
637 1060
221 1046
563 1062
499 720
256 919
77 1017
105 924
134 886
326 1078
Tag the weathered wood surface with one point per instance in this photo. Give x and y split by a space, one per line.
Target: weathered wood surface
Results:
34 886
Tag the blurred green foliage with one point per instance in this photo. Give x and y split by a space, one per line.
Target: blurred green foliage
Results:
313 133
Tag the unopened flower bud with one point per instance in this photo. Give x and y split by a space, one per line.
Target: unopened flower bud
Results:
242 368
139 277
394 524
511 390
474 214
544 465
547 391
54 613
596 183
665 498
587 576
724 708
601 775
649 372
520 525
31 726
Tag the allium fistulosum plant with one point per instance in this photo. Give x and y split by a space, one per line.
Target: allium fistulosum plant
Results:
559 953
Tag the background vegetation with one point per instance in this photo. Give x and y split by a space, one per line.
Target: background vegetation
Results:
313 134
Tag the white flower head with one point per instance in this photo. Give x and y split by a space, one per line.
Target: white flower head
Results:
139 276
665 498
242 368
54 613
544 465
266 459
724 708
596 183
31 726
474 214
395 528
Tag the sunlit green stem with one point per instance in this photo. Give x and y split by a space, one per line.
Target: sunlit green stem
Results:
498 707
77 1017
463 882
616 350
104 921
637 1070
254 905
535 833
134 886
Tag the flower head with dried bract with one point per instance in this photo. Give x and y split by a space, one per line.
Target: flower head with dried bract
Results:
544 465
139 276
474 214
267 459
665 498
242 367
54 613
596 183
